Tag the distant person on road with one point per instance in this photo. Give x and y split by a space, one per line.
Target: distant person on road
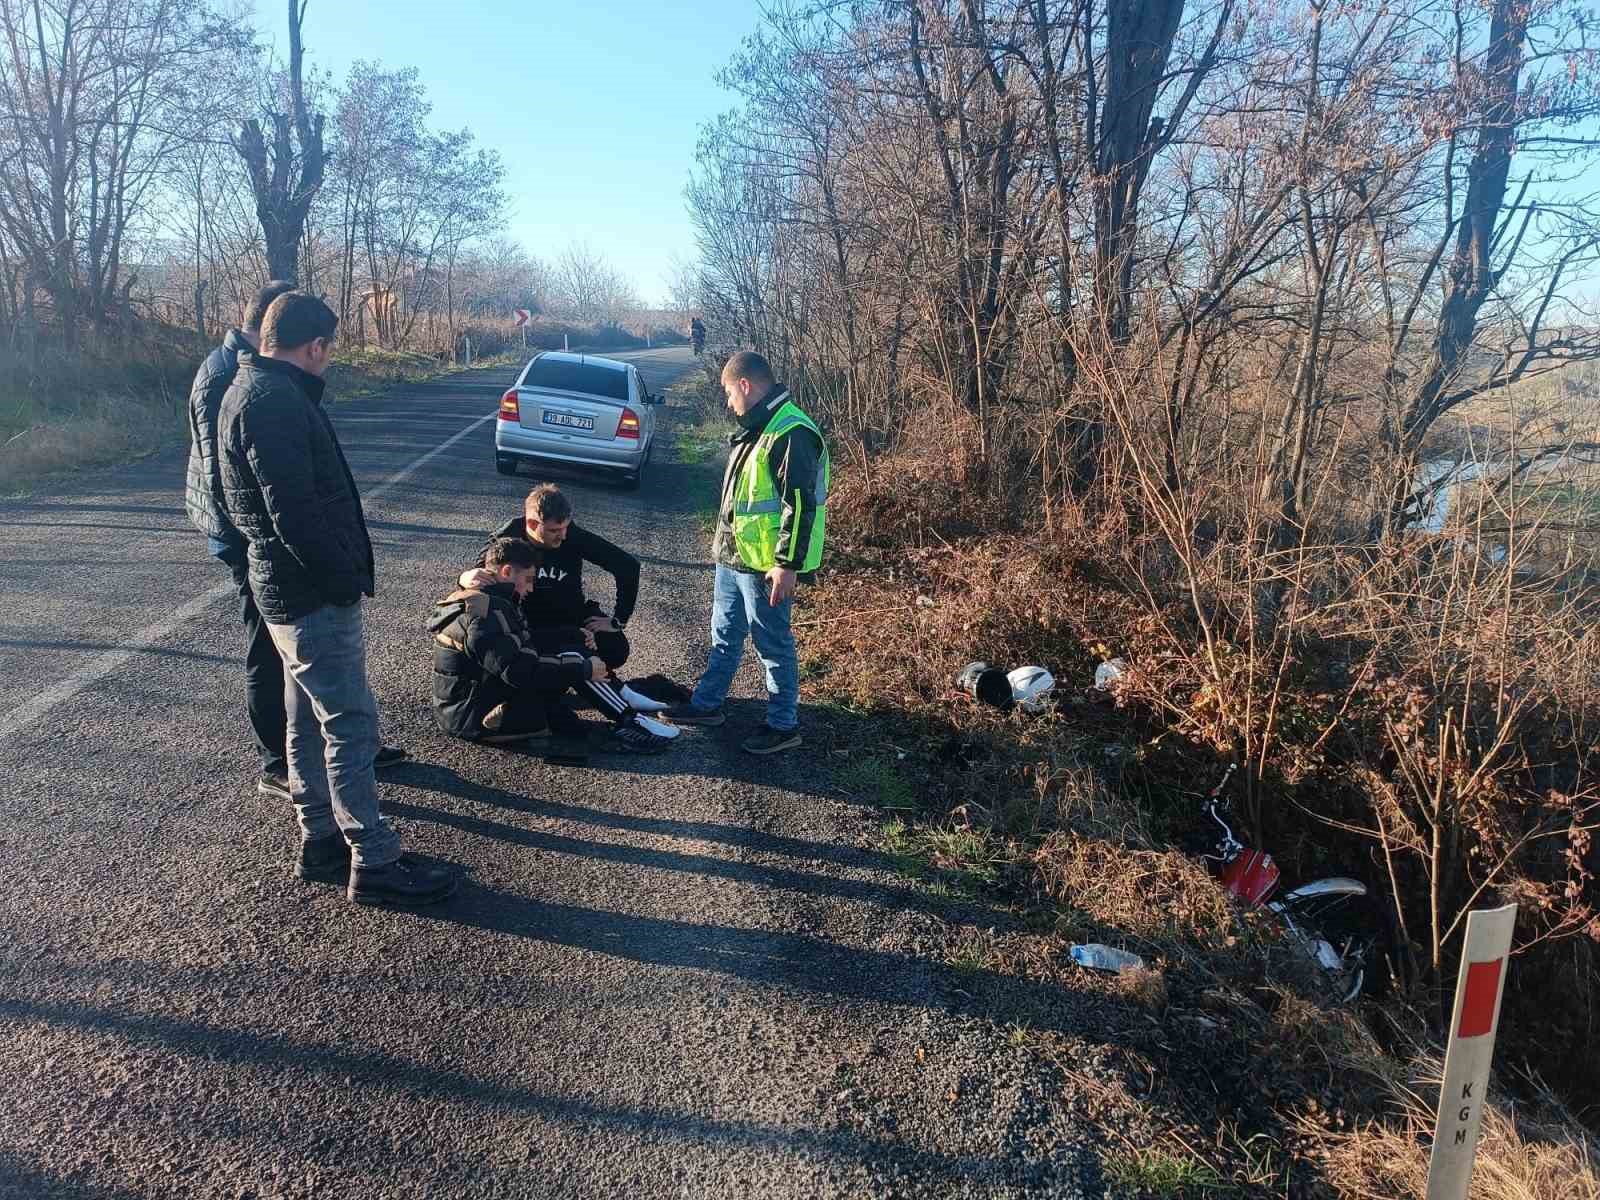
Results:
288 490
490 683
562 618
263 670
697 335
770 527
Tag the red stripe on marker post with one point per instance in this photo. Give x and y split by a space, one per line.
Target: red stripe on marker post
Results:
1485 960
1477 1006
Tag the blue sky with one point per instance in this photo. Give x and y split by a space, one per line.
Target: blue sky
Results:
594 106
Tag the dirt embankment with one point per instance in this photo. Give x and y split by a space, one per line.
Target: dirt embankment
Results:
1083 821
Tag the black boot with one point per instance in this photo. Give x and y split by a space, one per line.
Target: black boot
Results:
406 883
323 859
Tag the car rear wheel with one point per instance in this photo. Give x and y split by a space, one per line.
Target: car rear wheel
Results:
630 483
506 464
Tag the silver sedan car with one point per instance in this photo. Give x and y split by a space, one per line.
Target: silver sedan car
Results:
577 409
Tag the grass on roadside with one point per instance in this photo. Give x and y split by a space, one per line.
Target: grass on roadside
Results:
699 438
1521 1155
360 371
875 781
111 401
1075 819
1152 1171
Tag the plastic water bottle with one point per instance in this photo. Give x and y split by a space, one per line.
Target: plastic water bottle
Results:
1108 673
1104 958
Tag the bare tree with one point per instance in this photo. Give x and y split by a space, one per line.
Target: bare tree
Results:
585 286
1502 115
286 177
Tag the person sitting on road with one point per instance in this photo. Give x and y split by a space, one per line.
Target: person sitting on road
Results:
493 682
489 683
562 618
557 600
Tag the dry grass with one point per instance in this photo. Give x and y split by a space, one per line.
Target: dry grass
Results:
57 414
105 429
1519 1157
1077 810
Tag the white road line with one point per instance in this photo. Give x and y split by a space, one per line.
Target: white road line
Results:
98 668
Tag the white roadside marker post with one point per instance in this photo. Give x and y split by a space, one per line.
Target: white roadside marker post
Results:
1476 1017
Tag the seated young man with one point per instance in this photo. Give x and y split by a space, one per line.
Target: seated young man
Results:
558 612
491 682
557 601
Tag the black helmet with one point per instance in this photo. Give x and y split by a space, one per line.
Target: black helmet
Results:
986 684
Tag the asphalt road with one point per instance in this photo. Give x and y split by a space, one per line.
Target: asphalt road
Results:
679 976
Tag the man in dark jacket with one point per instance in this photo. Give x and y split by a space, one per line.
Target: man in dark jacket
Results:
490 684
263 670
771 525
289 492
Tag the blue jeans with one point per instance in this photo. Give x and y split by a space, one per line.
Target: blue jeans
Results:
739 607
333 732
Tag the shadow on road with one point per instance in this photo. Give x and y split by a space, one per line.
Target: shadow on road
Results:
21 1180
792 962
160 651
755 874
740 837
229 1047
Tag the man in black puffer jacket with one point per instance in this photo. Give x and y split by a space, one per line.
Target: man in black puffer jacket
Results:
263 669
288 490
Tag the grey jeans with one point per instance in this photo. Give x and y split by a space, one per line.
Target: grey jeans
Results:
333 732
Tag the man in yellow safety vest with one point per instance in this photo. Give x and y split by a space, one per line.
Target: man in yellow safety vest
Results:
770 529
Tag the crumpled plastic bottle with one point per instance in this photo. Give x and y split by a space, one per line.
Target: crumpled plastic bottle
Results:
1104 958
1108 673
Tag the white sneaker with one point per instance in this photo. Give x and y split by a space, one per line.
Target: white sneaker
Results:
661 729
640 702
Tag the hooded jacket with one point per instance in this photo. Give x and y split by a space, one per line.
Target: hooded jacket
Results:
287 488
483 656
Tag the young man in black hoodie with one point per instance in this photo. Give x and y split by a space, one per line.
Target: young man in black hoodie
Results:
490 683
557 601
562 618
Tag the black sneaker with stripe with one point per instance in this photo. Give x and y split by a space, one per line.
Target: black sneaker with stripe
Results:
635 739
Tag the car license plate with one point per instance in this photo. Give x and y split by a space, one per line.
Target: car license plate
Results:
571 422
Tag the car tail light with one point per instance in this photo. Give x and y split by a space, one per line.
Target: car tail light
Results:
509 408
628 427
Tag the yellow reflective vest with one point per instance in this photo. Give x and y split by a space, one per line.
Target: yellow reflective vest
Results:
758 517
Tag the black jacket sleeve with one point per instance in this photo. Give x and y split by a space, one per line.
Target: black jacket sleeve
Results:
490 643
512 528
622 566
795 461
277 442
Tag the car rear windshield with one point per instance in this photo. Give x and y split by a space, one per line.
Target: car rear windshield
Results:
590 379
